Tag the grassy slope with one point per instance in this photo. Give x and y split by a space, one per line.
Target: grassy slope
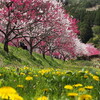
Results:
18 57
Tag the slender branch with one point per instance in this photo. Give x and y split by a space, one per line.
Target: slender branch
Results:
2 32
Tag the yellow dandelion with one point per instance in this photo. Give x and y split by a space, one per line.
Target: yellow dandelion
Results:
21 86
58 73
85 97
15 97
22 73
5 89
81 89
28 78
85 76
42 98
72 94
96 78
25 68
30 73
80 71
35 75
42 72
0 74
69 87
90 74
86 71
77 85
10 93
88 87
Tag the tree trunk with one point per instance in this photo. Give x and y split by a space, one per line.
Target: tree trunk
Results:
31 50
64 59
6 46
43 54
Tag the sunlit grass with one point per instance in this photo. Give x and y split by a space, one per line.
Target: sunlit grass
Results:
51 84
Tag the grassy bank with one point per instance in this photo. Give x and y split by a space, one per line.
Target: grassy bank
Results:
48 84
18 57
35 78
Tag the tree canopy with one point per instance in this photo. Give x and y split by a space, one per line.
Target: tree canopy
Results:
42 25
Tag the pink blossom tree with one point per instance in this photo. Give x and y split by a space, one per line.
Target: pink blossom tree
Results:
61 27
45 24
92 50
42 24
14 15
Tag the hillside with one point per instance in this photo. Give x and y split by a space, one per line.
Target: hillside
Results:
93 8
86 3
18 57
87 12
36 78
44 27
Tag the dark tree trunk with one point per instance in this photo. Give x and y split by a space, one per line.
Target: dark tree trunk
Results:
31 50
64 59
43 54
6 46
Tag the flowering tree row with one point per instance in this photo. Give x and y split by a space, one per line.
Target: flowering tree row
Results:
43 25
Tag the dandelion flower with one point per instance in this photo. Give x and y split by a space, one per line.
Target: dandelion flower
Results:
72 94
81 89
85 97
30 73
96 78
5 89
90 74
15 97
88 87
85 76
77 85
21 86
69 87
25 68
9 93
86 71
35 75
42 72
28 78
0 74
42 98
22 73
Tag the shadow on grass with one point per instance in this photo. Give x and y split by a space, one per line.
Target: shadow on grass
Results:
9 56
50 61
37 61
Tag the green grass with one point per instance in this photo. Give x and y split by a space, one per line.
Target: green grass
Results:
18 57
48 82
49 76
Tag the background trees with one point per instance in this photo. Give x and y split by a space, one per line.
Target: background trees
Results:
97 18
88 18
13 17
85 32
44 26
